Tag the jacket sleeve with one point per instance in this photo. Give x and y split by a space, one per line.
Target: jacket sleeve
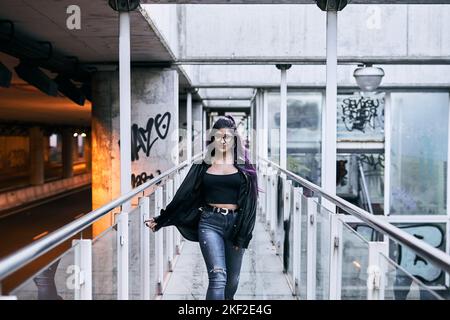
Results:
183 192
245 233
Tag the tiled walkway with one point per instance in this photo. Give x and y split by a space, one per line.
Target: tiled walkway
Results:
261 277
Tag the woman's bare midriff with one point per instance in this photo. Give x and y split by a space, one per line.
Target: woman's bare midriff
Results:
222 205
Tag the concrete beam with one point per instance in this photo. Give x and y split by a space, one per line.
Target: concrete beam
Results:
281 2
261 60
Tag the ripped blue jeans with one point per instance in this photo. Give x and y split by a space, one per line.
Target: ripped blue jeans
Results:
223 261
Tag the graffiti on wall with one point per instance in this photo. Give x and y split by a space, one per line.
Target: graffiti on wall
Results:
357 114
138 179
143 138
360 118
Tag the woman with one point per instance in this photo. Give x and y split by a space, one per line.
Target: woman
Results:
216 206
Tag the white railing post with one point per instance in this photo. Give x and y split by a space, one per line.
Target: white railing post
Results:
122 256
169 233
83 269
335 257
159 254
311 259
376 275
273 203
297 238
144 212
177 233
267 203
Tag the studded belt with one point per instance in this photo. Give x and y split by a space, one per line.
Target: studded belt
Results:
223 211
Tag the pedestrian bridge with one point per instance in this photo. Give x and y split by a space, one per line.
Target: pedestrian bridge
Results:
307 244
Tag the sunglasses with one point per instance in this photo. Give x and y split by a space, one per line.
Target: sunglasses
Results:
227 137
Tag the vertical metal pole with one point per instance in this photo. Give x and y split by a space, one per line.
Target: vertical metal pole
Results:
329 113
144 211
169 234
203 128
159 244
297 238
311 259
376 273
265 149
83 263
189 126
283 118
122 256
273 203
177 233
125 106
335 257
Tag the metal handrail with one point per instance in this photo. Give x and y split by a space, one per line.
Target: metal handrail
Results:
423 249
36 249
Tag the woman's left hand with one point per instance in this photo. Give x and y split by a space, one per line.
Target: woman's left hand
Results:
236 248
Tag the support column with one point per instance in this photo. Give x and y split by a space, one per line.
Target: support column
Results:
283 114
189 126
125 105
329 113
67 152
154 131
36 156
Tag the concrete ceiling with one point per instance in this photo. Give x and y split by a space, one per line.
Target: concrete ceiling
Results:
96 43
22 102
291 1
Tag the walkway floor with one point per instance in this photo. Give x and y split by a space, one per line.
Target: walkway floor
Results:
261 277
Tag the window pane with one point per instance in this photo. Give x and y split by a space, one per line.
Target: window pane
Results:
419 134
360 118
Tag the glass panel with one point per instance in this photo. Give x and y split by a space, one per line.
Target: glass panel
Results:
419 153
323 254
401 285
360 180
153 275
360 118
134 258
289 242
304 134
273 102
433 234
104 265
303 249
355 254
54 282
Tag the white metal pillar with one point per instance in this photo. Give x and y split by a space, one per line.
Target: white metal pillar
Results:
265 144
283 115
83 271
376 273
311 247
144 212
125 105
122 256
189 126
329 113
336 250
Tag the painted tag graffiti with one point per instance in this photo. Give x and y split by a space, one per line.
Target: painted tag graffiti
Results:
141 138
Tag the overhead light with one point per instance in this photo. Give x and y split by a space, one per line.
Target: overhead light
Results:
124 5
368 78
5 76
83 135
66 87
34 76
75 134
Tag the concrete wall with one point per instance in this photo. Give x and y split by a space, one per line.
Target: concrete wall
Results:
154 119
299 31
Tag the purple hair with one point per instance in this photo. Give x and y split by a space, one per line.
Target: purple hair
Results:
241 153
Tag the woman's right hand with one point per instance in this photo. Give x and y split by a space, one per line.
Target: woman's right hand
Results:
151 224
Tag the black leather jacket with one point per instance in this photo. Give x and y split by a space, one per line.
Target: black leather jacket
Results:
183 211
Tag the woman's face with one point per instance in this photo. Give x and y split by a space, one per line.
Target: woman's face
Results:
224 140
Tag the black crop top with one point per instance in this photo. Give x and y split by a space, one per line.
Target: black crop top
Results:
222 188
